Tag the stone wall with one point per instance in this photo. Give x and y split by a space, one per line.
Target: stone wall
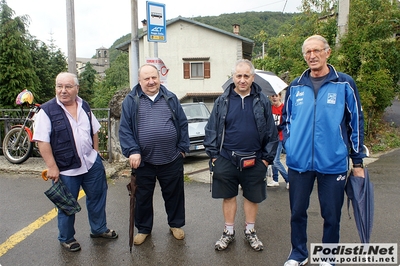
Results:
115 115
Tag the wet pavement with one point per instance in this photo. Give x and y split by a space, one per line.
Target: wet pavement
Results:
23 205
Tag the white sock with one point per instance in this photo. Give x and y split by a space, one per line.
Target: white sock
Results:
229 227
249 227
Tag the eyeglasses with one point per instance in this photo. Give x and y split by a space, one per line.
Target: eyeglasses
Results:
274 95
68 87
315 51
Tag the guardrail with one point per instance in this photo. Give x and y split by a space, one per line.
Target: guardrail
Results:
10 117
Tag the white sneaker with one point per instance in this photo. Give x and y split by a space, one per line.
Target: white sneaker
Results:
287 185
296 263
273 184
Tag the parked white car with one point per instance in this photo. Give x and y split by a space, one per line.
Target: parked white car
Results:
197 115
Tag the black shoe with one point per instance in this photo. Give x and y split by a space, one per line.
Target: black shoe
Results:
71 245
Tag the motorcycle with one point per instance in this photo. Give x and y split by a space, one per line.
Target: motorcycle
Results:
17 143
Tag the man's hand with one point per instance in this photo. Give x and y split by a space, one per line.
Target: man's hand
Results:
53 173
134 160
358 172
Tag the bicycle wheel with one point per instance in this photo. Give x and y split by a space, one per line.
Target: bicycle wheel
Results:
17 152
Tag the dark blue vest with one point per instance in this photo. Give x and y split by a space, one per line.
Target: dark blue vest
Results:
61 136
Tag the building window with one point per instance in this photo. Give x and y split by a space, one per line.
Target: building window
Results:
196 68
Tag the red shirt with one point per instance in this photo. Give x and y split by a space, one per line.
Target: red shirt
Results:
277 114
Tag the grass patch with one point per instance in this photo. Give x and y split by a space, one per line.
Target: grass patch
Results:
186 178
385 139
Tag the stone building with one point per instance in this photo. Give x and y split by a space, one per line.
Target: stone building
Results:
100 62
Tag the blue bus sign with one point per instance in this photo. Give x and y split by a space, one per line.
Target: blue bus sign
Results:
156 22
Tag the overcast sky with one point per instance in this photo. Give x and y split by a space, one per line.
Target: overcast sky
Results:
100 23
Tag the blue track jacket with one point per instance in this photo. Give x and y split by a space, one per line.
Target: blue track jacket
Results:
321 132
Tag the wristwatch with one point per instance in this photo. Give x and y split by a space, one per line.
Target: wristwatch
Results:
358 165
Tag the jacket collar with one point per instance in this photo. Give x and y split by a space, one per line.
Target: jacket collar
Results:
137 91
255 89
305 78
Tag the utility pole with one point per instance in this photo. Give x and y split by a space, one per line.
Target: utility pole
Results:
343 19
134 53
263 50
71 37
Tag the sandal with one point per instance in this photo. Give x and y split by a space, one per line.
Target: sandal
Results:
71 245
110 234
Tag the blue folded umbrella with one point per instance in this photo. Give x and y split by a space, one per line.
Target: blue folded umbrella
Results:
360 191
59 194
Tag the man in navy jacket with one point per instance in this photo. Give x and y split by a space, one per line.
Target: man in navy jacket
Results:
154 136
241 124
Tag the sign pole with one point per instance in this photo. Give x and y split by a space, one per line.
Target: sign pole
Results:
134 60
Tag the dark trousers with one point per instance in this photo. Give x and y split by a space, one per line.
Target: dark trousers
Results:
170 177
331 197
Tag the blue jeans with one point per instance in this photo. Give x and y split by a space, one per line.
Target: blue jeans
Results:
331 197
278 166
94 184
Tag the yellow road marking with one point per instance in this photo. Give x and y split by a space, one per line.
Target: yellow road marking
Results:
19 236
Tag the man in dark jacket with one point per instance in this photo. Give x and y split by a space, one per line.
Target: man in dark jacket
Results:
154 136
241 140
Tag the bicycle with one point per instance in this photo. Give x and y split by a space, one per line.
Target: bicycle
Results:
18 144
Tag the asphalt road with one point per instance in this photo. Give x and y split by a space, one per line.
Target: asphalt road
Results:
27 238
28 229
392 113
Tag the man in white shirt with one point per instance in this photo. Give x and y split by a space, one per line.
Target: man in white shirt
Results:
66 132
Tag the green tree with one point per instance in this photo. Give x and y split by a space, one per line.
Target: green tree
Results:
117 77
87 81
284 50
16 67
47 63
370 53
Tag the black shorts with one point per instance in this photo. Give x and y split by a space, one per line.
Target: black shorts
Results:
226 180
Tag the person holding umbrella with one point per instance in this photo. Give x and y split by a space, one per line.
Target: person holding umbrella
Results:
154 136
241 140
277 167
323 125
66 133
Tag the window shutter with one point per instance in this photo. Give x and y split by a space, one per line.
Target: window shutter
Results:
207 72
186 70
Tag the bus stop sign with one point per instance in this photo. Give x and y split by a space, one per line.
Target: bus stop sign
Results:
157 28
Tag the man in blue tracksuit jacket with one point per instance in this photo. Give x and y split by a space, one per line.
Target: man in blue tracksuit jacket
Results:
323 125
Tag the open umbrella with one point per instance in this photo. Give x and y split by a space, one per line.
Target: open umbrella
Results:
59 194
361 193
132 194
270 83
